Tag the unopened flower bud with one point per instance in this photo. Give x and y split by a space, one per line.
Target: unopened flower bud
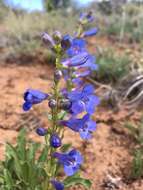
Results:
65 104
48 40
55 141
57 36
57 75
41 131
52 103
66 42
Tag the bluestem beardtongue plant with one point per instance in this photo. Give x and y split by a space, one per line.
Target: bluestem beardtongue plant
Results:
70 107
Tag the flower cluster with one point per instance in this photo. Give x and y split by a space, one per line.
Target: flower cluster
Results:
77 100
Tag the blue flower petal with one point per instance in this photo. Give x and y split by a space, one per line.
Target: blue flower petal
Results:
78 46
91 104
85 134
34 96
90 32
91 125
68 170
78 107
27 106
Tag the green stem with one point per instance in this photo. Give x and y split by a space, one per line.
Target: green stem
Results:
52 164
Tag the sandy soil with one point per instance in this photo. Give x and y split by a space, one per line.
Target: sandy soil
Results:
107 155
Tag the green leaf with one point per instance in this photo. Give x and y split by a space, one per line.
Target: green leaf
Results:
1 179
13 153
21 144
44 154
75 180
8 179
31 151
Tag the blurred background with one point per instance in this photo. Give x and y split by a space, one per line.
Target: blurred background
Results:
23 21
120 23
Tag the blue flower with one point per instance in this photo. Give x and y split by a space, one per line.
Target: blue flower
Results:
90 32
57 185
76 60
83 100
71 161
81 74
84 126
78 45
90 64
33 97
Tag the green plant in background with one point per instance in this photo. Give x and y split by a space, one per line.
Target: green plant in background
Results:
137 163
136 131
55 4
125 25
112 66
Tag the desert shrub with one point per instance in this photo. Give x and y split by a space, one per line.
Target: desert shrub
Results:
112 67
126 25
3 10
23 31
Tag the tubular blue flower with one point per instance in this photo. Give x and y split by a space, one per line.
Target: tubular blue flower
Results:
78 45
33 97
55 141
90 64
57 185
71 161
82 74
83 100
41 131
76 60
90 32
84 126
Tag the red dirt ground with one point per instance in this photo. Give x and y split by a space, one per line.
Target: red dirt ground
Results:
107 153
